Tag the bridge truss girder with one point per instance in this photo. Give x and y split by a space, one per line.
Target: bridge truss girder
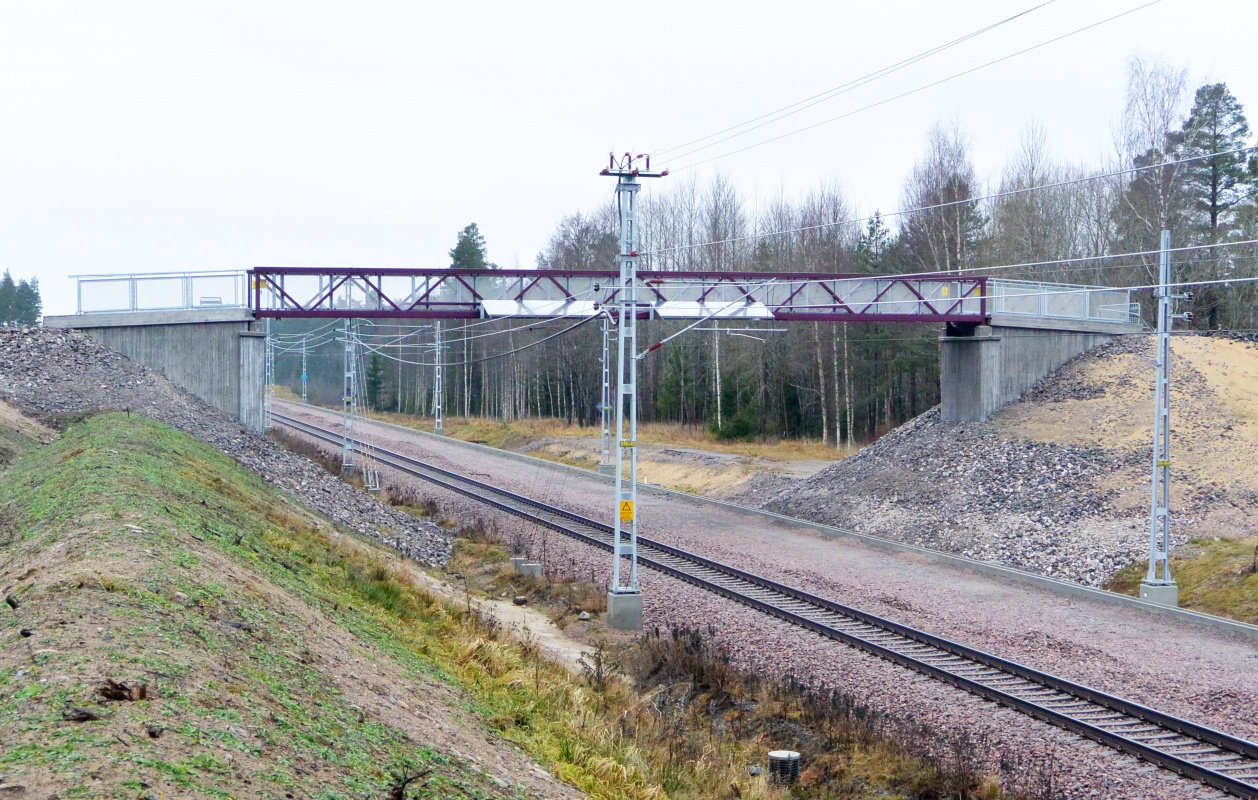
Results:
304 292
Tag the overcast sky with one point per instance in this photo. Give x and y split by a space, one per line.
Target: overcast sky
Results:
189 136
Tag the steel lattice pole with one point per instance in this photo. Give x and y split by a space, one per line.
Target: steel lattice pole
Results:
1158 585
437 388
303 369
348 388
627 392
605 461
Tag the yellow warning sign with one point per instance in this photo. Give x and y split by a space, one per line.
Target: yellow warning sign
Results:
944 290
626 511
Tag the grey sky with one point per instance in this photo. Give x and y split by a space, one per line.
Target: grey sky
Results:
172 136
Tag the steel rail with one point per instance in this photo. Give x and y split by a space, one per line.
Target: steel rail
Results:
1194 751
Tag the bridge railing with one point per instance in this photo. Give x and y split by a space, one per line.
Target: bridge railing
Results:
162 291
542 293
1061 301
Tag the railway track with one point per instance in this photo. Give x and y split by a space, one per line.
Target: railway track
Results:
1194 751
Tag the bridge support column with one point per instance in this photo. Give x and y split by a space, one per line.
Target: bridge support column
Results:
969 373
253 379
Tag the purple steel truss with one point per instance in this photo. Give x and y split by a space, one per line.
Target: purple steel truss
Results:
305 292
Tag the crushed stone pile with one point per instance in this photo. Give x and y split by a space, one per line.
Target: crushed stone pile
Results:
1058 482
49 373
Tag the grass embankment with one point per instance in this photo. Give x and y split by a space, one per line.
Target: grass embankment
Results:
1215 576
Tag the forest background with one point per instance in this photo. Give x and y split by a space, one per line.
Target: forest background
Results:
848 383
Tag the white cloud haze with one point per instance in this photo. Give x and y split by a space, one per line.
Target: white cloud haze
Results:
173 136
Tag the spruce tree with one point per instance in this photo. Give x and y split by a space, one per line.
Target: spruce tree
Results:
27 305
8 298
1216 185
469 252
375 382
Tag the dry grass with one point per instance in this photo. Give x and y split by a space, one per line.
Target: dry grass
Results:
1215 576
522 433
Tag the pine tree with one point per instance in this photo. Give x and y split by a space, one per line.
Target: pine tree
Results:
375 382
27 305
8 298
1216 185
469 252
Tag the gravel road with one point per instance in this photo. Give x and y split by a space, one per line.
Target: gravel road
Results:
1184 669
51 373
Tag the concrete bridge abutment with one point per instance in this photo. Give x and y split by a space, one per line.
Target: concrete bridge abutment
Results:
985 367
219 355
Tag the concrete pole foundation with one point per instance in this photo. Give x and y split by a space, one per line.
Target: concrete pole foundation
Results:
624 610
529 570
1162 594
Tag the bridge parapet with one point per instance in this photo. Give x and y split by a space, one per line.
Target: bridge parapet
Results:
478 294
162 291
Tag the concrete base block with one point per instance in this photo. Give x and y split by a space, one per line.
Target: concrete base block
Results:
1161 594
515 564
606 469
529 570
624 611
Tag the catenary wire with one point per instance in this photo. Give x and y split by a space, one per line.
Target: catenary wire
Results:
843 88
910 92
484 358
937 206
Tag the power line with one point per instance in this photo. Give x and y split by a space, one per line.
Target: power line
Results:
1084 258
485 358
843 88
911 91
937 206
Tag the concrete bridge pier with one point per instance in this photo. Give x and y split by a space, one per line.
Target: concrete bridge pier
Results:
985 367
217 354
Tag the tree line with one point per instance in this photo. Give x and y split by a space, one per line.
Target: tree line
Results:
1177 163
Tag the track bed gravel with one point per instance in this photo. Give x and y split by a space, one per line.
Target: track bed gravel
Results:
1184 669
50 373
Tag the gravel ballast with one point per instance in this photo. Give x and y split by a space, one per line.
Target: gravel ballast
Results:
1186 670
52 373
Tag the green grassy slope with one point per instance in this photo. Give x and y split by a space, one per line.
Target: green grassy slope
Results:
141 556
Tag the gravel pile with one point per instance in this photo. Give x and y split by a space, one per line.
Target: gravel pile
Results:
1065 510
968 490
51 373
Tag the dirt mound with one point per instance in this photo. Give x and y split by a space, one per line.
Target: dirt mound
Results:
1058 482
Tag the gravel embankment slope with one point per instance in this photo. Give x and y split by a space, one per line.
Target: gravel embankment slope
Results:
1204 676
1057 483
50 373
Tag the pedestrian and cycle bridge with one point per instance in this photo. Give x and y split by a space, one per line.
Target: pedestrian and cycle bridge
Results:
206 330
